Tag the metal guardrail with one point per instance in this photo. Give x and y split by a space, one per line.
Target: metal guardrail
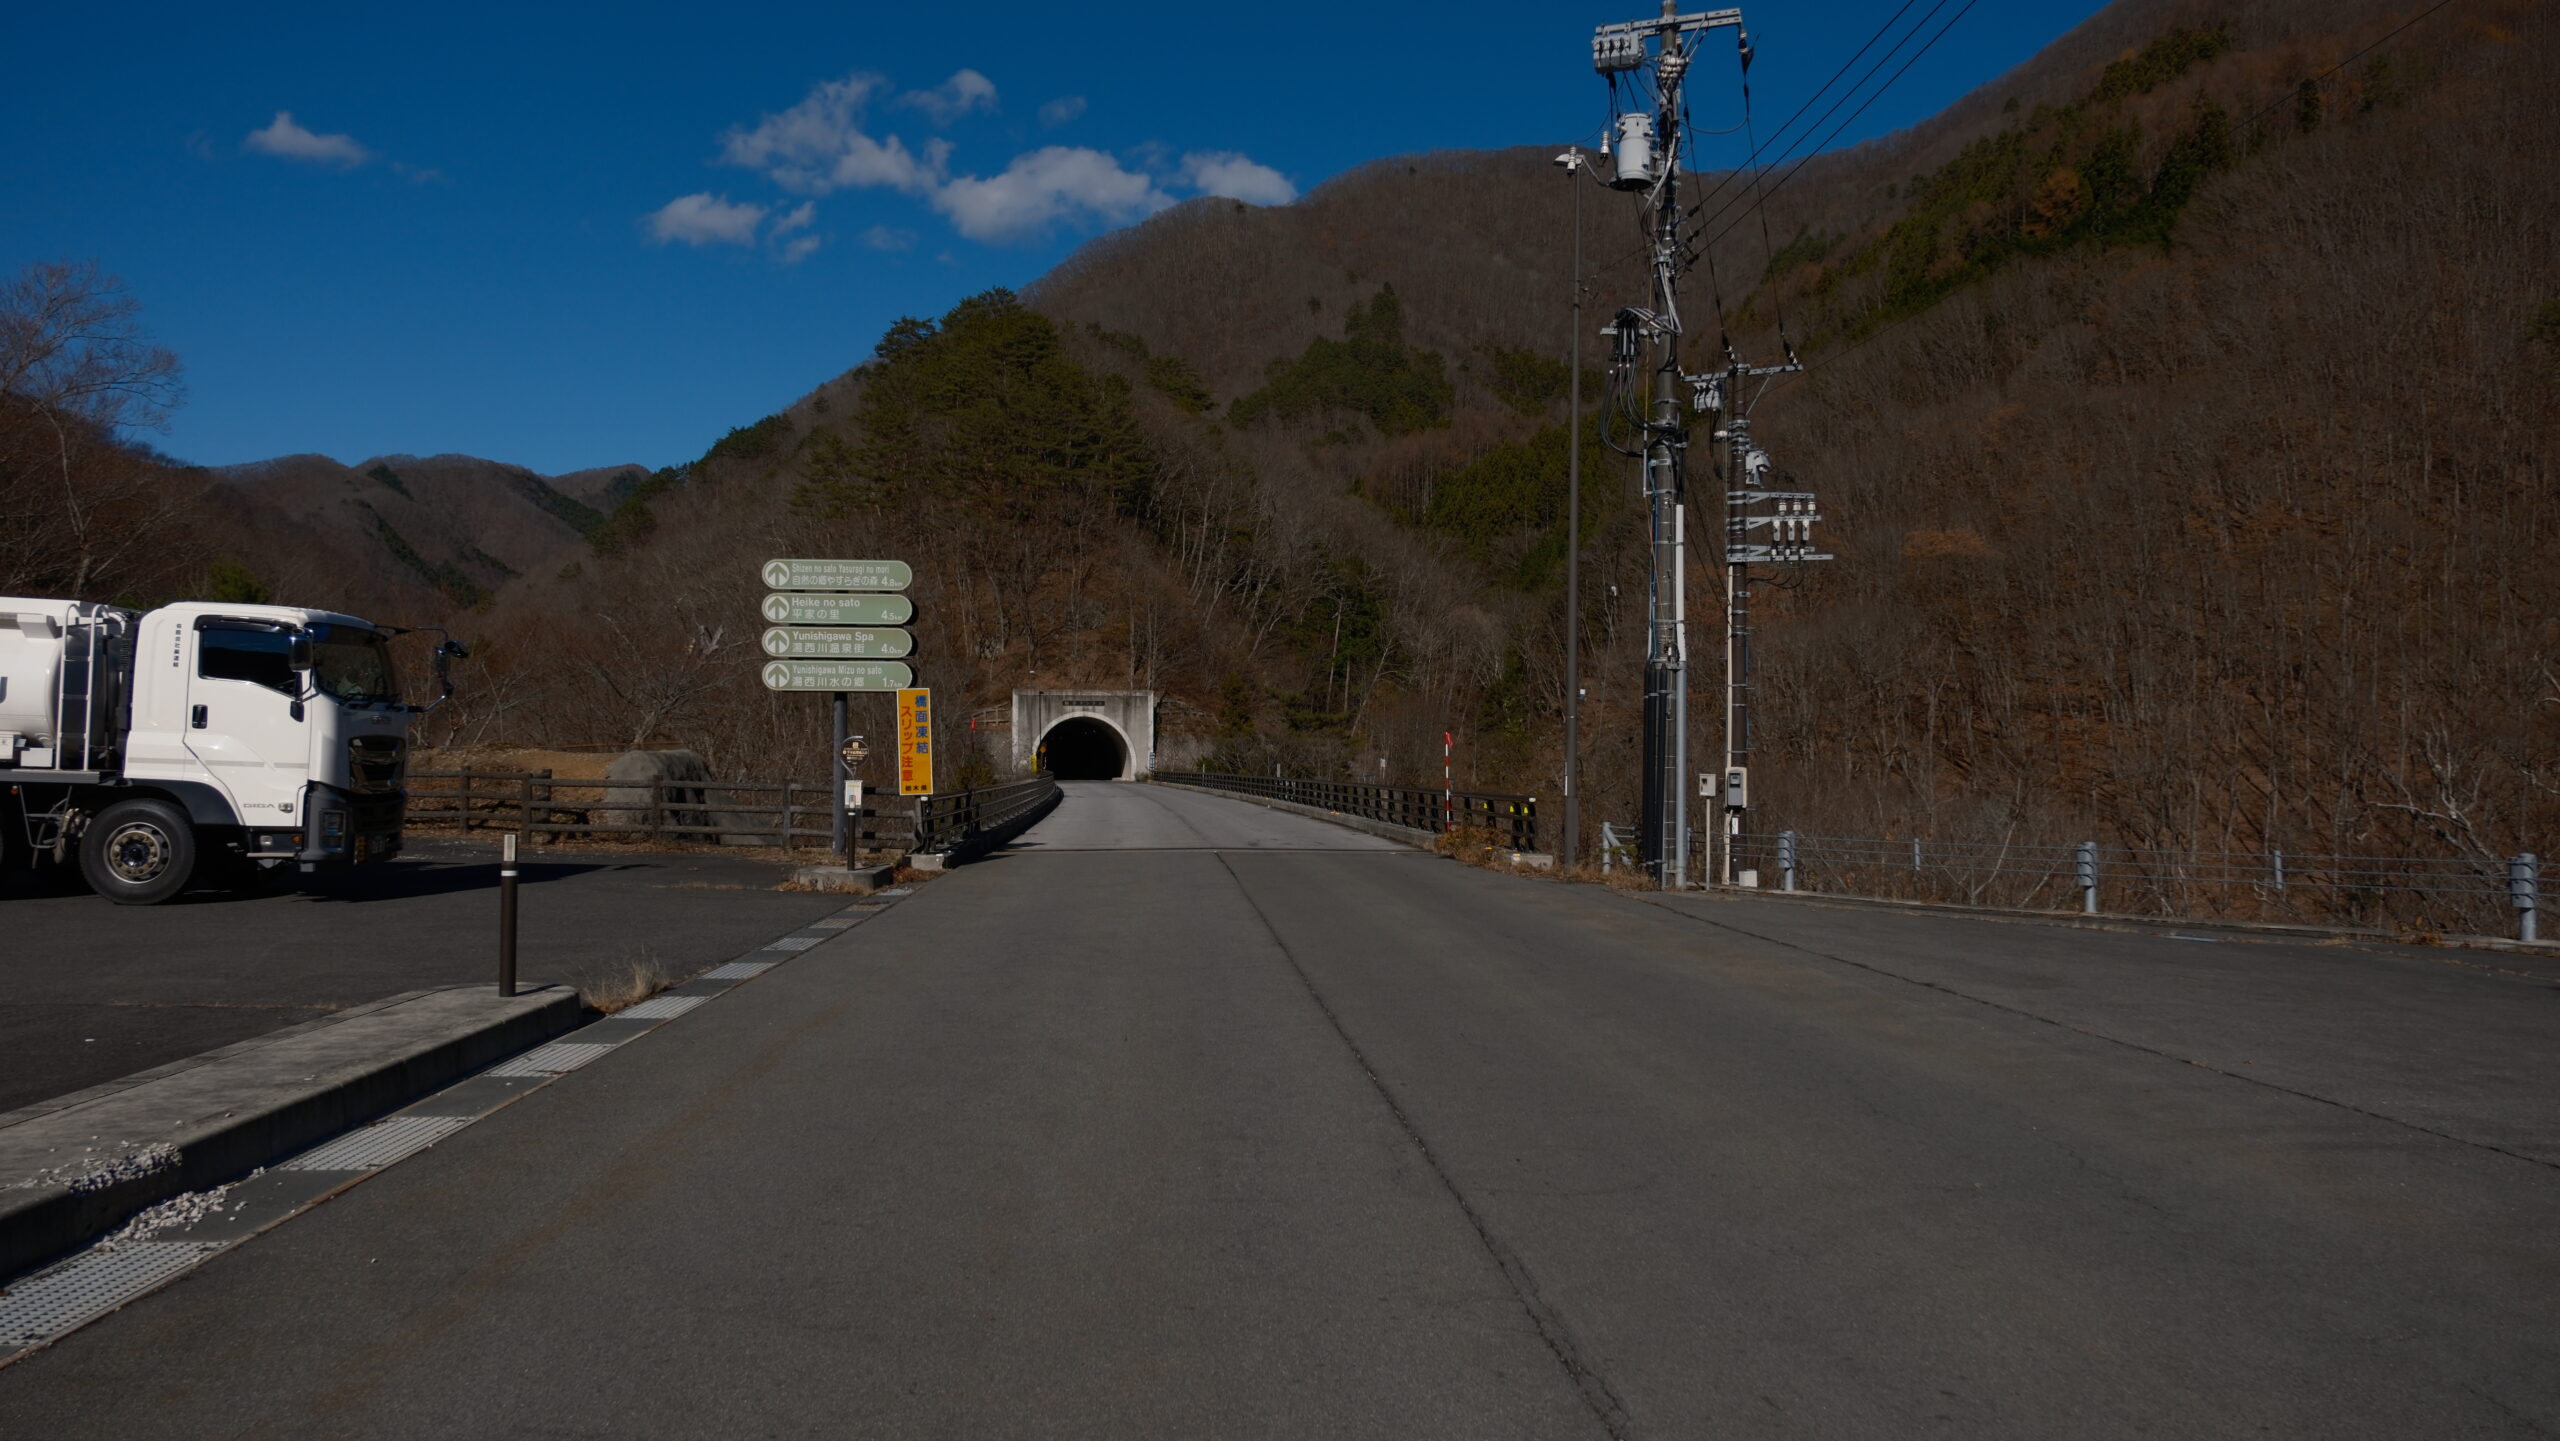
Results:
2480 895
953 817
1512 819
536 804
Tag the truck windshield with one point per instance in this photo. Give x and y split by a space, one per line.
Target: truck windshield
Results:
353 665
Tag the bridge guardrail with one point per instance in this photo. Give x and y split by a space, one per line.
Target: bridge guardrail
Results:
2480 895
1513 819
951 819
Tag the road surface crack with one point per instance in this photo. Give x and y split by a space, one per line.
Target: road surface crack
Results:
1593 1387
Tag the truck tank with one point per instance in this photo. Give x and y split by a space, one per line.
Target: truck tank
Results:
31 634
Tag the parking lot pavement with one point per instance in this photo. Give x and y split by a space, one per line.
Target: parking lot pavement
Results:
91 991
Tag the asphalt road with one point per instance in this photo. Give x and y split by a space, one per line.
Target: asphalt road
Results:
1287 1135
90 991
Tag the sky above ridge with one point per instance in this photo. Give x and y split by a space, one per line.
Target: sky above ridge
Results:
565 241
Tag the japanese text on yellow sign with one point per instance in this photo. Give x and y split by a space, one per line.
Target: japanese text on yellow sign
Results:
915 742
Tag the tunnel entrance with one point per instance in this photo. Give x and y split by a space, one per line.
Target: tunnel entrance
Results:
1081 748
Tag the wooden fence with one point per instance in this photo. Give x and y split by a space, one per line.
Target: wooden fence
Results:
787 814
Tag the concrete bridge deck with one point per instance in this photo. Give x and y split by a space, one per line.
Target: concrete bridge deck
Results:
1186 1118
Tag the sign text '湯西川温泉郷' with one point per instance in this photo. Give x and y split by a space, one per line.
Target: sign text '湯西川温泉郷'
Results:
807 642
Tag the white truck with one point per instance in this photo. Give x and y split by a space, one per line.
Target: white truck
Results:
198 738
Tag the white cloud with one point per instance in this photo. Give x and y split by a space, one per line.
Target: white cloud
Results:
1061 110
819 145
881 237
797 219
1043 186
1223 172
800 249
701 219
287 140
965 91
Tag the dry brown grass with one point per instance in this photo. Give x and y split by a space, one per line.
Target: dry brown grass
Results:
625 983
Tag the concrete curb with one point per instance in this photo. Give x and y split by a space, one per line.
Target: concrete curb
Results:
851 880
74 1168
2110 921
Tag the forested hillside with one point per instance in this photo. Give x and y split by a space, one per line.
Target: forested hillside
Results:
2183 405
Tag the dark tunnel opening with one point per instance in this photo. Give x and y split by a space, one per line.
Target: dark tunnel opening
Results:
1081 748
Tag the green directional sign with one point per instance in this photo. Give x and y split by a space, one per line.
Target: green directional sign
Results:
822 644
837 575
857 610
834 675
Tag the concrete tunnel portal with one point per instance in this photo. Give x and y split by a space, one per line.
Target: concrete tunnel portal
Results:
1085 748
1085 735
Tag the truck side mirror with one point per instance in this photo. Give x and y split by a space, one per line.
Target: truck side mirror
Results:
298 653
447 652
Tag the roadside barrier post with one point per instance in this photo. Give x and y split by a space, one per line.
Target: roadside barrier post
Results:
1787 859
507 919
2524 885
2084 862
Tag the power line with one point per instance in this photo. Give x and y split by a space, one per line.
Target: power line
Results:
1845 124
1727 179
1819 92
2260 113
1880 332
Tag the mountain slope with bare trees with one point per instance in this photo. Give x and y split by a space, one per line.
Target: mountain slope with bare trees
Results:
2183 404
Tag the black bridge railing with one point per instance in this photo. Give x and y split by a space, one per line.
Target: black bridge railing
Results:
953 817
1513 820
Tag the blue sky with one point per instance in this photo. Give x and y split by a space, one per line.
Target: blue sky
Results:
564 241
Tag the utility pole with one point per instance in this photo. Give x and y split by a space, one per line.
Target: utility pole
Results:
1648 162
1789 517
1572 161
1649 157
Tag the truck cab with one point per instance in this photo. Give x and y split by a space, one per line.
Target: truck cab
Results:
157 742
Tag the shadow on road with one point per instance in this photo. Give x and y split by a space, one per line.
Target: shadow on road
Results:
391 881
404 880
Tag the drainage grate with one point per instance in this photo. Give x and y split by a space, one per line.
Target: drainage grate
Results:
738 970
795 943
88 1286
392 1139
551 1060
659 1008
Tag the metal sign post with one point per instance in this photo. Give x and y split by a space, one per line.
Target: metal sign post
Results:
850 753
831 628
841 839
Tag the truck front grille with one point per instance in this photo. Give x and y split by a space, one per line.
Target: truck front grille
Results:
375 763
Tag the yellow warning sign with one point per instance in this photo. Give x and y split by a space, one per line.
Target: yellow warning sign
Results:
915 742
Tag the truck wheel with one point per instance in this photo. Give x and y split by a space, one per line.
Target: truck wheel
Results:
138 852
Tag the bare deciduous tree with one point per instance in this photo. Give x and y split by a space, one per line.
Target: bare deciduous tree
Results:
86 510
